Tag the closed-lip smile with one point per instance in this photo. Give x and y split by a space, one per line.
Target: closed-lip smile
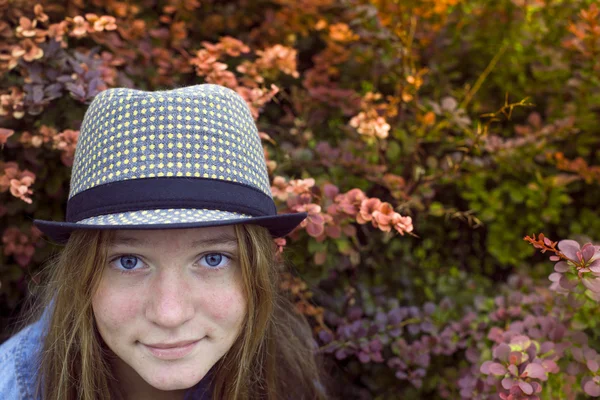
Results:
172 345
171 351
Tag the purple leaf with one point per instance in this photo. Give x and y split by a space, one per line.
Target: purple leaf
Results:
589 353
546 347
364 357
517 327
569 248
401 375
592 284
325 336
507 383
555 277
580 338
341 354
550 366
485 367
64 79
588 250
526 387
565 283
501 352
497 369
561 267
535 371
396 332
573 368
590 387
592 365
77 91
429 308
577 353
472 355
38 94
595 265
377 357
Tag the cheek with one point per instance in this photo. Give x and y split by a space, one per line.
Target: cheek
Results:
114 307
226 306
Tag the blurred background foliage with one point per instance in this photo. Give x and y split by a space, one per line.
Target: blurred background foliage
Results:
425 138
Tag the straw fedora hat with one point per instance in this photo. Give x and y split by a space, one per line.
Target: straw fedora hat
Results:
182 158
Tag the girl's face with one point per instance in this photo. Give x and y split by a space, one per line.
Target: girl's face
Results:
169 305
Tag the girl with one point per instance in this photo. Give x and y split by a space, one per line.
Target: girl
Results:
167 287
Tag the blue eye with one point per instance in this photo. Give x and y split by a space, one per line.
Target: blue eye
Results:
214 260
127 262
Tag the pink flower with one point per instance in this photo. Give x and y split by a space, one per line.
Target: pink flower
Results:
17 182
279 188
80 27
232 46
402 224
278 57
369 123
105 22
66 142
315 222
280 243
350 202
11 104
5 134
203 62
367 208
20 245
299 186
382 217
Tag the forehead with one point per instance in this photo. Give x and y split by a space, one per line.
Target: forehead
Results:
192 237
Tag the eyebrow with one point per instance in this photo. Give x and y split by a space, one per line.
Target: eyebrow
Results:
220 239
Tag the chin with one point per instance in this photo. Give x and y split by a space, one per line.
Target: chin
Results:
172 380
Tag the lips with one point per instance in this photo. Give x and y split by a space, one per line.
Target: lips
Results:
171 345
171 351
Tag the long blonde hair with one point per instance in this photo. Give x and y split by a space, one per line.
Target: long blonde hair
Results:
272 358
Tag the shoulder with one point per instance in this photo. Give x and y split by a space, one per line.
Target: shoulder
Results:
19 360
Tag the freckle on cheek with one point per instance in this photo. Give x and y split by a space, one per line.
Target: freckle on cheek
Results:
114 307
223 304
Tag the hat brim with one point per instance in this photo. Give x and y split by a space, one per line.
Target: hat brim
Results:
278 225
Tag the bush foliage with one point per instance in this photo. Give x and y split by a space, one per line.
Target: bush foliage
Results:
425 138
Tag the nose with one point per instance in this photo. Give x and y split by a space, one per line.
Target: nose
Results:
170 304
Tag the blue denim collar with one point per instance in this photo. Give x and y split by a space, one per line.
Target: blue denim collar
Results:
27 361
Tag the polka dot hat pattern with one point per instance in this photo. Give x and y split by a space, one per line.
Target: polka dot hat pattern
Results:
202 131
165 216
186 157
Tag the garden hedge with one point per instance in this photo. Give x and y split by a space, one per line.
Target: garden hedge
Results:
444 149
